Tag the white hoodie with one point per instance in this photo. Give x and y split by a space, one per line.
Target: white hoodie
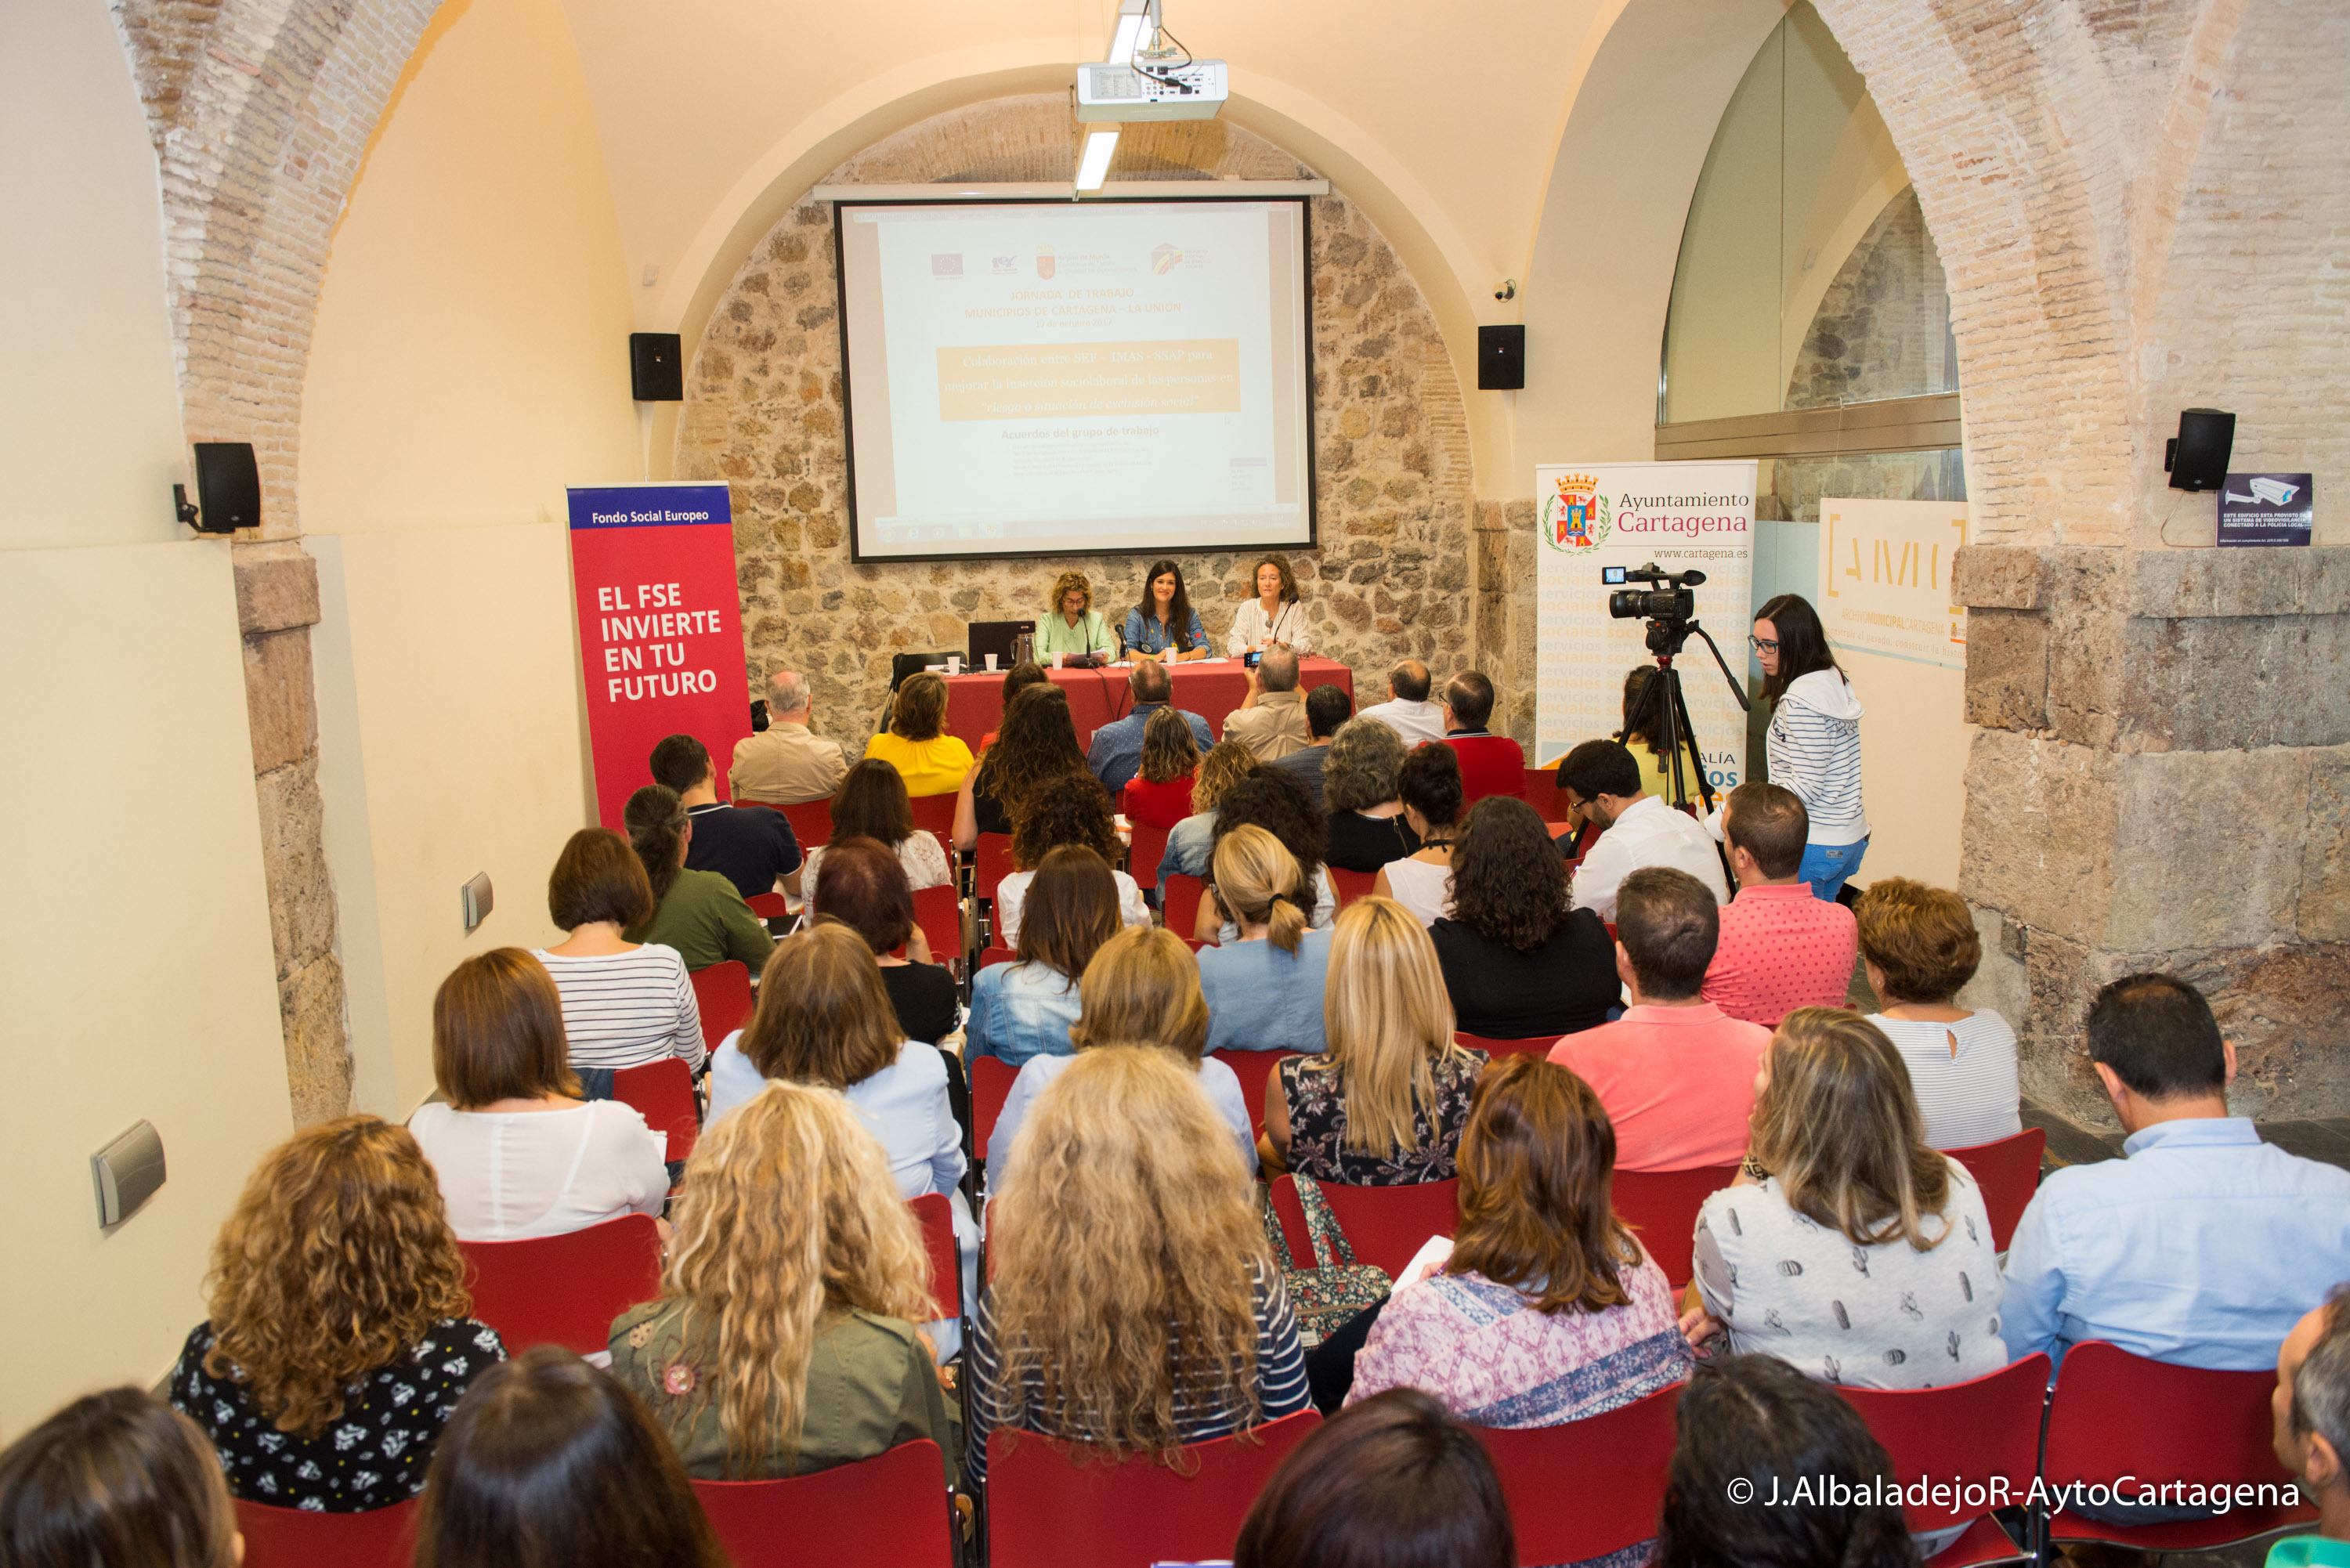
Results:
1813 749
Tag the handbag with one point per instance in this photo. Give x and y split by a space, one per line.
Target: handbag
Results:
1336 1288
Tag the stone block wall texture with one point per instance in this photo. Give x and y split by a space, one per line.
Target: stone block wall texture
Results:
1392 575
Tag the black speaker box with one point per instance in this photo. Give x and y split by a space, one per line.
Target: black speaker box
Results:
2198 456
1500 358
228 487
656 367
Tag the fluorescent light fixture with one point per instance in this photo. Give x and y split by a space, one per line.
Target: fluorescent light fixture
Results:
1094 167
1136 21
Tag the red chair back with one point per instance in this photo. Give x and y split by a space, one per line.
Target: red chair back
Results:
1589 1488
936 1216
938 911
769 905
991 863
991 1085
1662 1205
1052 1506
1252 1068
566 1290
1178 897
1983 1432
663 1092
1542 791
2008 1172
1351 885
1144 852
297 1538
1489 765
1384 1225
891 1509
988 956
2113 1415
934 813
1497 1049
723 991
811 822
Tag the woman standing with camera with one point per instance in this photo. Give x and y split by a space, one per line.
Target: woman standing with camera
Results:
1813 743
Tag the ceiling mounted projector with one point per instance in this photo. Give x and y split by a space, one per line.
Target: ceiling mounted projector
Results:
1149 74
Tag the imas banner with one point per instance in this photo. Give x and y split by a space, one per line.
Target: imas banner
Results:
1885 579
660 628
1680 515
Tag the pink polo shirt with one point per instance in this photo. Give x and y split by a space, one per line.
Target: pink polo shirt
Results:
1781 949
1678 1082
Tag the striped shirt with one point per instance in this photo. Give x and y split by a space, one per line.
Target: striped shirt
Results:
1964 1076
623 1010
1813 749
1199 1415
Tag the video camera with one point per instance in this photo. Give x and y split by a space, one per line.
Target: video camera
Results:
1675 602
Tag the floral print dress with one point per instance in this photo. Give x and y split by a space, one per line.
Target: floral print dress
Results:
1316 1096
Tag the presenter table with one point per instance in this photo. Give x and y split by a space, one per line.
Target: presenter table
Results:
1210 688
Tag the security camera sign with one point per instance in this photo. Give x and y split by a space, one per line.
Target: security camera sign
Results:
2266 509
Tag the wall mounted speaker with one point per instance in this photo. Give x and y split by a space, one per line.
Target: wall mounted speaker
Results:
228 486
2198 456
1500 358
656 367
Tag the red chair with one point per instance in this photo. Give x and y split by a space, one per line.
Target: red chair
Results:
991 863
1542 791
989 956
1497 1049
297 1538
2115 1415
890 1509
938 911
1178 897
1143 853
811 822
1489 765
1252 1068
2008 1171
769 905
723 991
1589 1488
935 813
1384 1225
1053 1506
1662 1205
663 1092
991 1085
1350 886
566 1290
936 1216
1982 1433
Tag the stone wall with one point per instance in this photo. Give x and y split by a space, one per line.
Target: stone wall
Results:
763 413
1883 326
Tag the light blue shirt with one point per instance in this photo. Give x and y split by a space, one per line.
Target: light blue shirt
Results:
1262 999
1117 751
2201 1248
1222 1087
1019 1011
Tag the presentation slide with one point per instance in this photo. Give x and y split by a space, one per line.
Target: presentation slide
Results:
1061 378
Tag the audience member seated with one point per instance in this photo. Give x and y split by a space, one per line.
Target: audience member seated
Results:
916 744
1781 949
2201 1246
1278 803
1548 1309
1429 786
1601 783
1117 749
1920 946
117 1479
1894 1282
1518 963
751 847
783 1341
1025 1009
338 1340
1038 742
518 1153
1408 711
1264 985
1016 679
1395 1482
1676 1072
1071 809
1643 733
1490 764
624 1003
550 1460
1191 841
1129 1223
1753 1428
1367 828
697 914
863 886
1326 708
1163 625
1141 989
1160 795
873 804
2312 1410
1384 1105
786 764
1271 719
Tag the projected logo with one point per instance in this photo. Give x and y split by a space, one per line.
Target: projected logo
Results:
1575 518
1004 266
1166 258
1043 261
946 265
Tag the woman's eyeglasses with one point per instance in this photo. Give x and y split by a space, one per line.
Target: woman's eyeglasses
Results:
1760 645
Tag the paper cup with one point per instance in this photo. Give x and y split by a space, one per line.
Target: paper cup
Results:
1057 659
991 664
954 664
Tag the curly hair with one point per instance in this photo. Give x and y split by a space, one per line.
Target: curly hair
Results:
1073 808
1365 762
1169 750
1275 800
1226 763
1068 583
336 1260
1922 939
788 1212
1035 741
1508 886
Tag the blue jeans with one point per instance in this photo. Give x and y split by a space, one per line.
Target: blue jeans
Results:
1826 866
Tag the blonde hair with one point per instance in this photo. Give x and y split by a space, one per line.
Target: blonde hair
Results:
1389 1019
1169 750
1068 583
1838 1126
1226 763
1258 884
1142 988
1129 1251
788 1213
824 1015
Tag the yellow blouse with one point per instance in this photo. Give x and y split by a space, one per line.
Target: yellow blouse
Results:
928 767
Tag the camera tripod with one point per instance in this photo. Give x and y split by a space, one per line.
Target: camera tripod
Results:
1678 743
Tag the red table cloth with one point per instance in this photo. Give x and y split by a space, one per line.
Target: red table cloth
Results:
1098 696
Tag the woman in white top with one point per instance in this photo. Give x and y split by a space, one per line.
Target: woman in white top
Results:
624 1003
1814 740
1274 616
1920 946
871 803
518 1152
1430 788
1071 809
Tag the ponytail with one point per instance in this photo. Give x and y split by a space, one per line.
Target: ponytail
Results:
655 823
1258 880
1288 923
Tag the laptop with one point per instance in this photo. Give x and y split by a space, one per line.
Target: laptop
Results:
995 636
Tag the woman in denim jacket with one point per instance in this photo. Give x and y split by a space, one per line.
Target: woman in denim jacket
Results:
1025 1009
